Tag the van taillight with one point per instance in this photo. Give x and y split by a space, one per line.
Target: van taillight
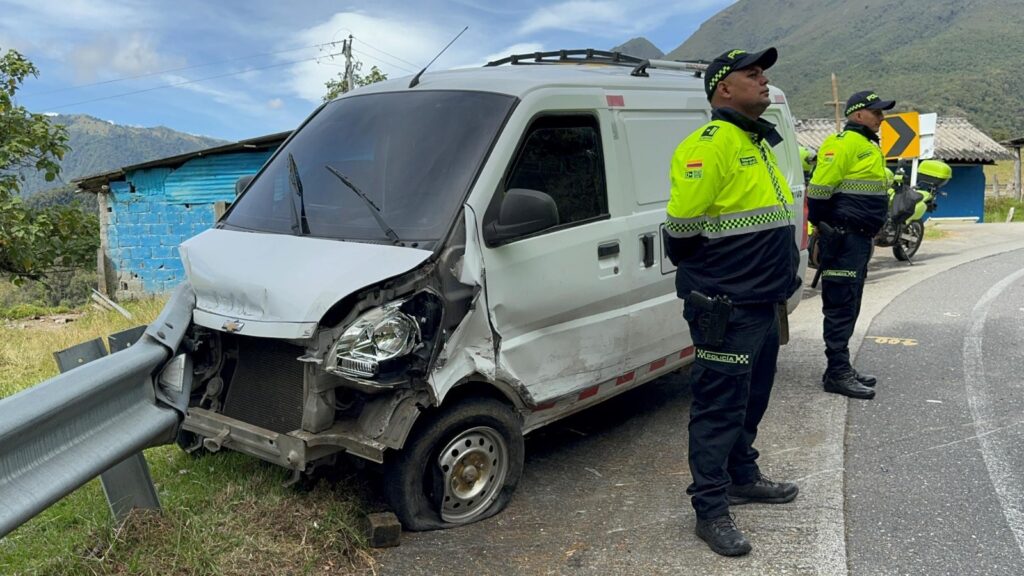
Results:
803 243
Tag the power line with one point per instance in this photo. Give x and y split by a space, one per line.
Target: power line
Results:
148 74
382 61
175 84
368 45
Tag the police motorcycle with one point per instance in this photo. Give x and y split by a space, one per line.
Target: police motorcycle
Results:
903 229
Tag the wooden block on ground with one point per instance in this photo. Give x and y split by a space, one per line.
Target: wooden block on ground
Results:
382 530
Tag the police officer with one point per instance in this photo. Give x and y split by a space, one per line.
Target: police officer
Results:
847 203
730 232
808 158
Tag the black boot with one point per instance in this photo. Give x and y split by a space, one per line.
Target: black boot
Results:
847 385
762 490
722 536
865 379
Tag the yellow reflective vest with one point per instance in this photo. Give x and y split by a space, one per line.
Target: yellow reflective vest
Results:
848 188
730 224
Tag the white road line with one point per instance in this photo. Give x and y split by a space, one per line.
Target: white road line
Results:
1009 490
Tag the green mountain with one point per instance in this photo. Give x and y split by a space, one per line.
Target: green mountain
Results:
641 48
99 146
954 57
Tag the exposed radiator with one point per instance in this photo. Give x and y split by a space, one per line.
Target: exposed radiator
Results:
266 389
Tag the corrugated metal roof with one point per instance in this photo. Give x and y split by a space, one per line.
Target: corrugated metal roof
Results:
211 178
956 140
94 182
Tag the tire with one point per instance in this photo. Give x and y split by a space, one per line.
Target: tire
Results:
435 481
909 240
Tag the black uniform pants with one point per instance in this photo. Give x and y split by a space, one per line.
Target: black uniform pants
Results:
731 384
844 269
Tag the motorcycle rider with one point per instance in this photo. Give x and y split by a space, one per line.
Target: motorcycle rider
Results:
847 203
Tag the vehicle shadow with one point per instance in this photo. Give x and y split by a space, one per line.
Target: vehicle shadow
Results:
667 394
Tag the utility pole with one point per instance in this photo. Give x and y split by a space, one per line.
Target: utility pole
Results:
835 103
346 49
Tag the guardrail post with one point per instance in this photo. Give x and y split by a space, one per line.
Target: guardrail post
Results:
127 484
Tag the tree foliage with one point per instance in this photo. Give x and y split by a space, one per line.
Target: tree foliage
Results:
35 241
339 85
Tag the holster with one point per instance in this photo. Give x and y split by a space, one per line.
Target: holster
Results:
713 318
828 237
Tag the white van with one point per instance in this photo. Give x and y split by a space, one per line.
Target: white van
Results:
423 274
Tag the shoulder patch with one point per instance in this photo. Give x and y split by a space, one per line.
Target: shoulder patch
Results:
694 169
748 161
709 133
829 156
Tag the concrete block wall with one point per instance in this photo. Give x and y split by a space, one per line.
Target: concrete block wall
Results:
146 216
143 234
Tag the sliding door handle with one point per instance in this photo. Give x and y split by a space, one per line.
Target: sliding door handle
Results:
608 249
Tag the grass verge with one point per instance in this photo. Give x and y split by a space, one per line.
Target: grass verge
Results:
223 514
996 209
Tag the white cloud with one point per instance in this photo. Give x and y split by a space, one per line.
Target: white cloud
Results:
239 100
275 103
112 55
397 46
37 16
576 15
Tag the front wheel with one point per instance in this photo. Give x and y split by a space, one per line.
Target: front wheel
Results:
910 238
460 465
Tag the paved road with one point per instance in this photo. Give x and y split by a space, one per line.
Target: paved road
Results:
934 463
603 493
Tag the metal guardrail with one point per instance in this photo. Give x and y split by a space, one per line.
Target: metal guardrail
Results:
61 433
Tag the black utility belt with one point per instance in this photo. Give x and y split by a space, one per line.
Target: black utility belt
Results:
844 228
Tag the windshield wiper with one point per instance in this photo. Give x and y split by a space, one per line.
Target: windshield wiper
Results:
375 212
300 225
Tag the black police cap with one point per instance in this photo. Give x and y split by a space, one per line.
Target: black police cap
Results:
733 60
867 99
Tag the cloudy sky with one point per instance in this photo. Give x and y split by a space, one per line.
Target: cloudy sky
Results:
231 69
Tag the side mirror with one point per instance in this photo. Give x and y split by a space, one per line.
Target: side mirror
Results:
242 183
522 213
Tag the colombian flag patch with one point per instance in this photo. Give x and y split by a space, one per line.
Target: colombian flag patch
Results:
694 170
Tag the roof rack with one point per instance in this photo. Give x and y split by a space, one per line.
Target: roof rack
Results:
697 68
589 56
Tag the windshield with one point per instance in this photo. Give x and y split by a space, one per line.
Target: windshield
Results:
412 156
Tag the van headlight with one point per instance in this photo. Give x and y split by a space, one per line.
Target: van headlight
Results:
382 334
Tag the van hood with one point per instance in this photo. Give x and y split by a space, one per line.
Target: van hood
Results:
279 286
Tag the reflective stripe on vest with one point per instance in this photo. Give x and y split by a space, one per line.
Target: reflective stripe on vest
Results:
857 187
862 187
819 192
732 224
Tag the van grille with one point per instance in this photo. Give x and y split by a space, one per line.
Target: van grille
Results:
266 389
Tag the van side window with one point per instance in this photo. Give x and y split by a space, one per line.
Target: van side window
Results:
561 156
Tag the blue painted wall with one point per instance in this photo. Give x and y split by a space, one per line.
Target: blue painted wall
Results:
154 210
965 194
